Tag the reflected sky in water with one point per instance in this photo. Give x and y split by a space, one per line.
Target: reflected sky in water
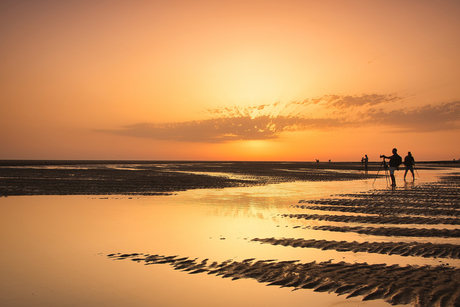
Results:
54 247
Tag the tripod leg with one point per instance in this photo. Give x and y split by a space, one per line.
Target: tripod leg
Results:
377 174
381 165
387 179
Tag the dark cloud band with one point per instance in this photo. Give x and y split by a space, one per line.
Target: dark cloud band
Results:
253 123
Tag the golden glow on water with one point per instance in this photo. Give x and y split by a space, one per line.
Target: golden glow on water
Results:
54 247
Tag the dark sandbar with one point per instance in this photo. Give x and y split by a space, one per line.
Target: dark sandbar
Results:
420 285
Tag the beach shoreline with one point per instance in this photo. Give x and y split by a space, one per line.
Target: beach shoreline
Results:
19 178
435 204
358 244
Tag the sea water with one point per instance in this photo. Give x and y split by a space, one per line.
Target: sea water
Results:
54 248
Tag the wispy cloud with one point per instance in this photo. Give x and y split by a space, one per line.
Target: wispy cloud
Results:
346 101
341 102
225 129
428 118
269 121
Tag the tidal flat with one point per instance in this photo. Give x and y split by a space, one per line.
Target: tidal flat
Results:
227 233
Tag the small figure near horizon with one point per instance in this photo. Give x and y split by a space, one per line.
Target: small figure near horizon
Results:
395 161
366 161
317 161
409 162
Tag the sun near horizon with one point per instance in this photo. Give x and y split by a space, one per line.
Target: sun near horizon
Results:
229 80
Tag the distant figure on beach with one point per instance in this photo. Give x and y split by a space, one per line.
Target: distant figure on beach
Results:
409 162
317 161
366 161
395 162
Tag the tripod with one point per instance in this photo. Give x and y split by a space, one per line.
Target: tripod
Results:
416 172
385 167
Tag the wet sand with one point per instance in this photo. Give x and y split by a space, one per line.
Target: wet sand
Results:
417 285
158 178
422 286
166 177
410 222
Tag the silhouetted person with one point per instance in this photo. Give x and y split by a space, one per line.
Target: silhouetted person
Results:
395 161
409 164
366 160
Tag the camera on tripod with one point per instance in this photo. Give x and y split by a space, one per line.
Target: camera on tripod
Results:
382 156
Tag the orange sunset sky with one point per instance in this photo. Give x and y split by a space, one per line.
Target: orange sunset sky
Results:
229 80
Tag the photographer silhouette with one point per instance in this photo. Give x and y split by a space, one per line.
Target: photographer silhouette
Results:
395 162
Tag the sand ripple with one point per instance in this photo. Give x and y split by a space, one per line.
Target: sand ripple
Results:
420 285
376 219
427 250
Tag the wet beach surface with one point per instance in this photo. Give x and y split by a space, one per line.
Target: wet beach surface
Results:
424 285
166 177
158 178
326 232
